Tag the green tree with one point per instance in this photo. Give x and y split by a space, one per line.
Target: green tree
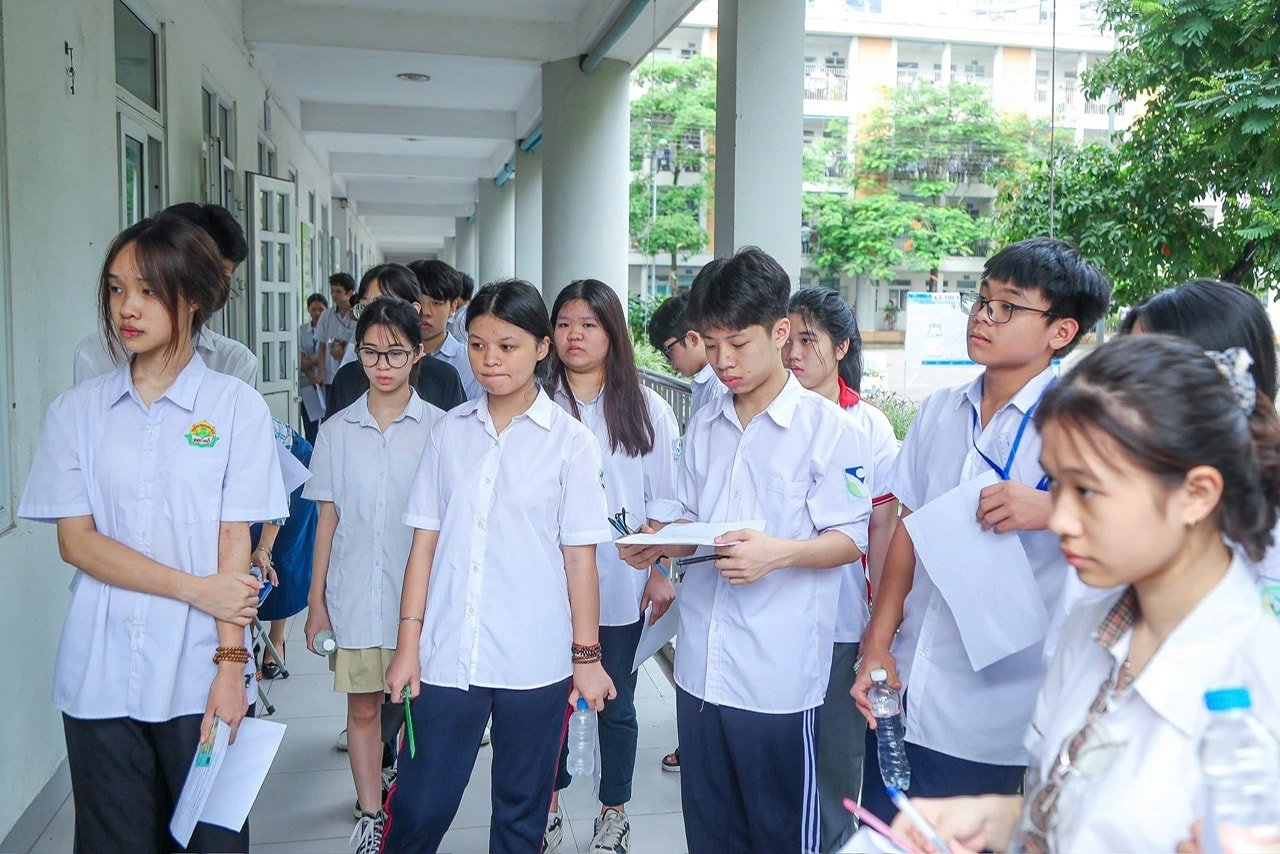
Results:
1208 131
673 119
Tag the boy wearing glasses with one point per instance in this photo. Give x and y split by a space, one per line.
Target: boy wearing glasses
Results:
682 347
964 727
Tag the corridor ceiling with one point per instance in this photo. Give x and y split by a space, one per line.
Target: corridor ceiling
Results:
410 153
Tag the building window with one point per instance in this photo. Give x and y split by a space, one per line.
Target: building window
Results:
266 157
139 115
218 115
907 73
1042 87
137 56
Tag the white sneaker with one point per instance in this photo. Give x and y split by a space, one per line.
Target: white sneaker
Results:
554 834
484 739
367 837
342 741
612 833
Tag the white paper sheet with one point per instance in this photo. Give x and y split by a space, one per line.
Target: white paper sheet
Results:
690 533
205 765
313 400
653 638
984 577
243 771
293 471
868 841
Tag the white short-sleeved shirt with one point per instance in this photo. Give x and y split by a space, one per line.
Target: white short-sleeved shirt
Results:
801 466
220 353
454 352
952 709
160 481
504 503
852 614
643 486
367 474
1148 794
306 344
704 386
334 325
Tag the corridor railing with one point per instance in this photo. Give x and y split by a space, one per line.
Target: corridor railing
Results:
674 391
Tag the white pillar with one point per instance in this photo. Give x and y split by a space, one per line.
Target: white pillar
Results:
529 216
466 248
946 64
450 252
585 172
496 224
759 128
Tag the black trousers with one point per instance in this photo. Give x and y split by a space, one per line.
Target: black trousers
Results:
126 776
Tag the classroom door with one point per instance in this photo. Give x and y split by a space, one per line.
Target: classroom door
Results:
274 302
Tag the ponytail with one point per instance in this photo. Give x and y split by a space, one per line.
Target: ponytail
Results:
1251 519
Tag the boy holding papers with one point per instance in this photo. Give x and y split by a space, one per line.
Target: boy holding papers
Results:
965 721
756 624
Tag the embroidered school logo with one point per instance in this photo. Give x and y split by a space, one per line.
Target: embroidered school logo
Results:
855 480
677 448
1271 598
202 435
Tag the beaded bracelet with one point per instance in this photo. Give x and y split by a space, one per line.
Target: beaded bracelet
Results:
235 654
586 654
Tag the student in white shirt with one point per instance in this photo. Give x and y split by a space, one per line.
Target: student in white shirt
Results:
824 352
682 347
441 286
1160 456
153 474
1037 298
594 378
336 328
310 372
500 613
757 623
458 323
362 470
94 355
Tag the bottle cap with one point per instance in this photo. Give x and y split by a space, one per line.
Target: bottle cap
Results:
879 675
1227 699
582 704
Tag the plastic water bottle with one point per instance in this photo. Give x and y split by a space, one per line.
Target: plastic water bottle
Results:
1240 762
886 706
582 741
326 642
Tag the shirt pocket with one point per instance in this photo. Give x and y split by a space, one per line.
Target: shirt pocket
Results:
781 503
194 492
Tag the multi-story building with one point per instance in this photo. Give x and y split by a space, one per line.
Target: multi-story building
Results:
855 50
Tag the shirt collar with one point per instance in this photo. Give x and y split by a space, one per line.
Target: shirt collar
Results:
182 392
707 374
361 415
1028 396
1195 655
848 397
781 409
450 348
541 412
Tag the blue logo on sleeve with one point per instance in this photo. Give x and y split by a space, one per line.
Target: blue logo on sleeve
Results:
855 480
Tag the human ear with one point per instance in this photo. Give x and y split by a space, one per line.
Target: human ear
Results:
544 348
842 349
1064 332
1199 495
781 332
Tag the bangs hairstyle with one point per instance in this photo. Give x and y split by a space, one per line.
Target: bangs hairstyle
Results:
827 310
180 261
1168 408
748 289
394 280
669 321
1216 315
519 303
1071 285
400 318
437 279
625 414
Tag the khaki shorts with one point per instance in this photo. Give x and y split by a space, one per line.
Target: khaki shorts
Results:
360 671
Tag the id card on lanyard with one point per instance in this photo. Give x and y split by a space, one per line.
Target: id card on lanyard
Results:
1005 472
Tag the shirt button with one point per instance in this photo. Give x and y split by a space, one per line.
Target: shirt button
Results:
487 480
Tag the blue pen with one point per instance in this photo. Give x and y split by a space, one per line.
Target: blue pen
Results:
621 527
903 803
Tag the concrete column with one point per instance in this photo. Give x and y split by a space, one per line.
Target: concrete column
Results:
465 248
759 128
496 224
529 216
946 64
585 172
450 252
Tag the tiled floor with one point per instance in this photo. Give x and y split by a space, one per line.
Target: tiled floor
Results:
305 805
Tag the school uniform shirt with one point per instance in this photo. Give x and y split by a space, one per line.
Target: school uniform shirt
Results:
159 480
457 325
950 708
504 503
367 473
333 325
703 388
454 352
436 382
1144 791
220 353
801 466
643 486
851 612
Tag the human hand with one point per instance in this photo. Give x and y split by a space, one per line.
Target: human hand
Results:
1013 506
230 597
317 622
227 700
640 557
874 657
967 824
658 592
404 671
748 555
592 684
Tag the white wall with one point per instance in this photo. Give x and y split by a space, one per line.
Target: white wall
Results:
61 209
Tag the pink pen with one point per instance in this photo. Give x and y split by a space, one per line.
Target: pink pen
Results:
867 817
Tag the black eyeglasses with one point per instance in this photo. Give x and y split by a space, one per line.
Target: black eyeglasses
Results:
998 310
665 349
396 358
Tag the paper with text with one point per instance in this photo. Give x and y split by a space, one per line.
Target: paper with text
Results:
205 765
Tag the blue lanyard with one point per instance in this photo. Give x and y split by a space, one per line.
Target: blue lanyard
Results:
1006 472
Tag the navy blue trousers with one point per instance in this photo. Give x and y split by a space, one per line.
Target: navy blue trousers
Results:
528 729
619 730
748 780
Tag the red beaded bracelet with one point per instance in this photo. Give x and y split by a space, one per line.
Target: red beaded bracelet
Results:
586 654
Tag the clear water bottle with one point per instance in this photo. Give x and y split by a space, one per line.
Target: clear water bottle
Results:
326 642
582 741
886 706
1240 763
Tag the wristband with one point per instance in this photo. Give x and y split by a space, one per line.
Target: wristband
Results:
586 654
